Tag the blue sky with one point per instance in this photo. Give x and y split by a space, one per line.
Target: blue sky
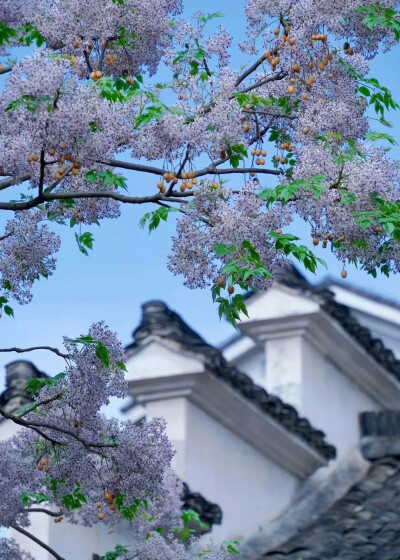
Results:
128 266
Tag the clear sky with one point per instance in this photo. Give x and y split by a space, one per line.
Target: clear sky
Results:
128 266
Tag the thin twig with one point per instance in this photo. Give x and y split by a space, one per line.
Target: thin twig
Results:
6 69
250 70
33 425
32 348
44 510
87 61
15 180
134 166
248 170
270 78
37 541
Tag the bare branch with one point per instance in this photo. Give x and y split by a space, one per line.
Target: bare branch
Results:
85 54
49 197
6 69
134 166
248 170
102 53
250 70
15 180
269 78
34 425
44 510
41 179
180 169
37 541
36 405
21 350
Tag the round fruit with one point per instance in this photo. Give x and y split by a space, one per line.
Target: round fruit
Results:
231 289
343 274
101 516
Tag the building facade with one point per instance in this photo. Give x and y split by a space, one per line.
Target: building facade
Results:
272 429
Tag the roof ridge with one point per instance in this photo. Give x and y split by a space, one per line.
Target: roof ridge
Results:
292 278
161 321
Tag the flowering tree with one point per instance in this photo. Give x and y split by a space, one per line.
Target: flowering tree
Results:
297 112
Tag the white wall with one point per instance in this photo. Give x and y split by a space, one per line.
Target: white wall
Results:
250 488
332 402
253 364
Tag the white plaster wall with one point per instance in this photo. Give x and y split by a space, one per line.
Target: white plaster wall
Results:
331 401
250 488
80 543
284 369
253 364
279 301
156 359
175 413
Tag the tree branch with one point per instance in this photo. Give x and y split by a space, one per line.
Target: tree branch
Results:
6 69
269 78
134 166
33 425
248 170
37 541
250 70
21 350
44 510
87 61
49 197
15 180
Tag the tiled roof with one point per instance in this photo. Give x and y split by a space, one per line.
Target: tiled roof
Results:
365 523
292 278
161 321
209 513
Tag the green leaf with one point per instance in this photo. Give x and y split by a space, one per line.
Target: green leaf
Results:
35 385
209 17
153 219
103 354
232 546
8 311
30 35
28 498
381 136
221 250
84 241
130 512
74 500
6 33
118 550
108 178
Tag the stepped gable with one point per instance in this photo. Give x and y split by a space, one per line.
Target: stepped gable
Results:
158 320
18 373
365 523
291 277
